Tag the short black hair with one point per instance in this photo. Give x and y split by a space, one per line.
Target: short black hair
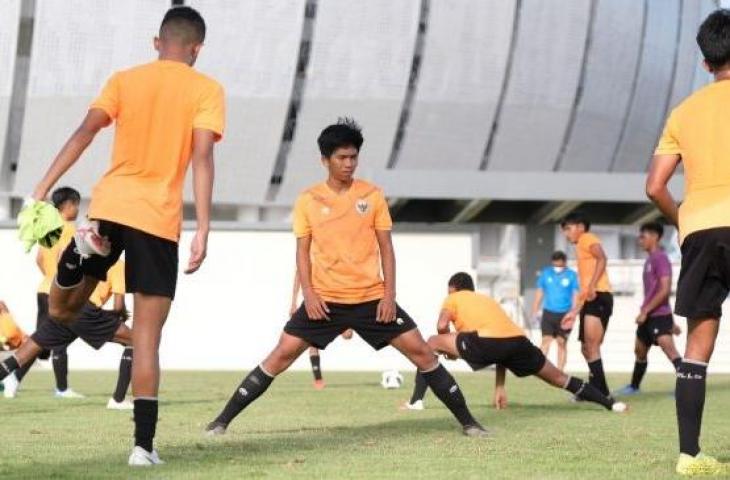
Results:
713 38
559 256
184 24
654 227
345 133
461 281
65 194
576 218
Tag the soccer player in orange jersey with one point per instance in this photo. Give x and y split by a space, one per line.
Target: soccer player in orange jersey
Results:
346 267
167 117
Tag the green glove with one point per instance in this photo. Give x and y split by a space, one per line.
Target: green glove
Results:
39 222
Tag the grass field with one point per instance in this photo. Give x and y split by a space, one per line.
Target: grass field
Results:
352 429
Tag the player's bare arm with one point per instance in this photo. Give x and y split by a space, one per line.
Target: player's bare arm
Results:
386 307
601 262
660 298
294 294
315 306
95 120
538 301
203 167
661 171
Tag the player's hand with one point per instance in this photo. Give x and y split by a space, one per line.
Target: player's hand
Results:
198 251
386 310
568 321
676 330
641 317
591 294
316 307
500 398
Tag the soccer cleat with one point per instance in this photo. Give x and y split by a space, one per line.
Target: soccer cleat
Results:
12 385
475 431
627 391
417 405
215 429
319 384
700 465
619 407
142 458
89 242
68 393
123 405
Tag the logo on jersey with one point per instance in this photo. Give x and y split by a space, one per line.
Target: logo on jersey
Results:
362 206
325 210
565 282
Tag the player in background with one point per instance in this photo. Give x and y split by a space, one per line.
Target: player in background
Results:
167 117
697 133
595 304
95 326
66 200
485 335
346 267
557 293
655 323
11 338
314 357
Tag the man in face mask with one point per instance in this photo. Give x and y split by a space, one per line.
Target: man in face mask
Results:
557 293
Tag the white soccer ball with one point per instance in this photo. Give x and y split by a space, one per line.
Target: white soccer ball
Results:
391 379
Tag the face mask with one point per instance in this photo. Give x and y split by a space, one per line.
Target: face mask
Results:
558 269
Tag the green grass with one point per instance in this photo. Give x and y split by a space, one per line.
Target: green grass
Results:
352 429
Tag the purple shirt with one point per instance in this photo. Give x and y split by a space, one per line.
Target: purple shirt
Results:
656 267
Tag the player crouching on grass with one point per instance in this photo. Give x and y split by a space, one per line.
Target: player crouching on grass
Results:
346 268
486 336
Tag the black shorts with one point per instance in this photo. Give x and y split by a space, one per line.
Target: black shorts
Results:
550 324
94 326
704 279
601 307
150 261
517 354
653 328
360 317
42 318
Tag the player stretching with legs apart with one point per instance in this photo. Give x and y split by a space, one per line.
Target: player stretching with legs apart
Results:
697 134
343 228
655 322
485 336
168 116
595 300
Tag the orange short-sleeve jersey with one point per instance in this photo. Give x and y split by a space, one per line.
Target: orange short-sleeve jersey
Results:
587 264
11 335
474 312
345 254
155 107
114 285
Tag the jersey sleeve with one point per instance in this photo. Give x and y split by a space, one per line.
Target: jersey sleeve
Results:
382 213
574 285
211 113
669 142
449 305
663 267
300 222
108 99
587 240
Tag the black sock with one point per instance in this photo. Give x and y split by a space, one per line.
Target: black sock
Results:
21 371
60 369
8 366
690 399
145 422
588 392
69 273
638 375
448 391
677 362
419 390
316 370
125 375
251 388
597 378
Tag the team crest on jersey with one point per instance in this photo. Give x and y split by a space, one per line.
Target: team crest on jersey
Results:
362 206
565 282
325 210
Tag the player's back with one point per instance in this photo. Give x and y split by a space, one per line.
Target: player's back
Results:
475 312
156 107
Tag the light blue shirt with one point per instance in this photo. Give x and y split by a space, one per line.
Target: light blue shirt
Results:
558 289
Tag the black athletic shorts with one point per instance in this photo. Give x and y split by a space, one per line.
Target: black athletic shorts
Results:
517 354
94 326
360 317
601 307
150 261
704 279
653 328
42 318
550 324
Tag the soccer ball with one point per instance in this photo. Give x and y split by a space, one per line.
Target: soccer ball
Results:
391 379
